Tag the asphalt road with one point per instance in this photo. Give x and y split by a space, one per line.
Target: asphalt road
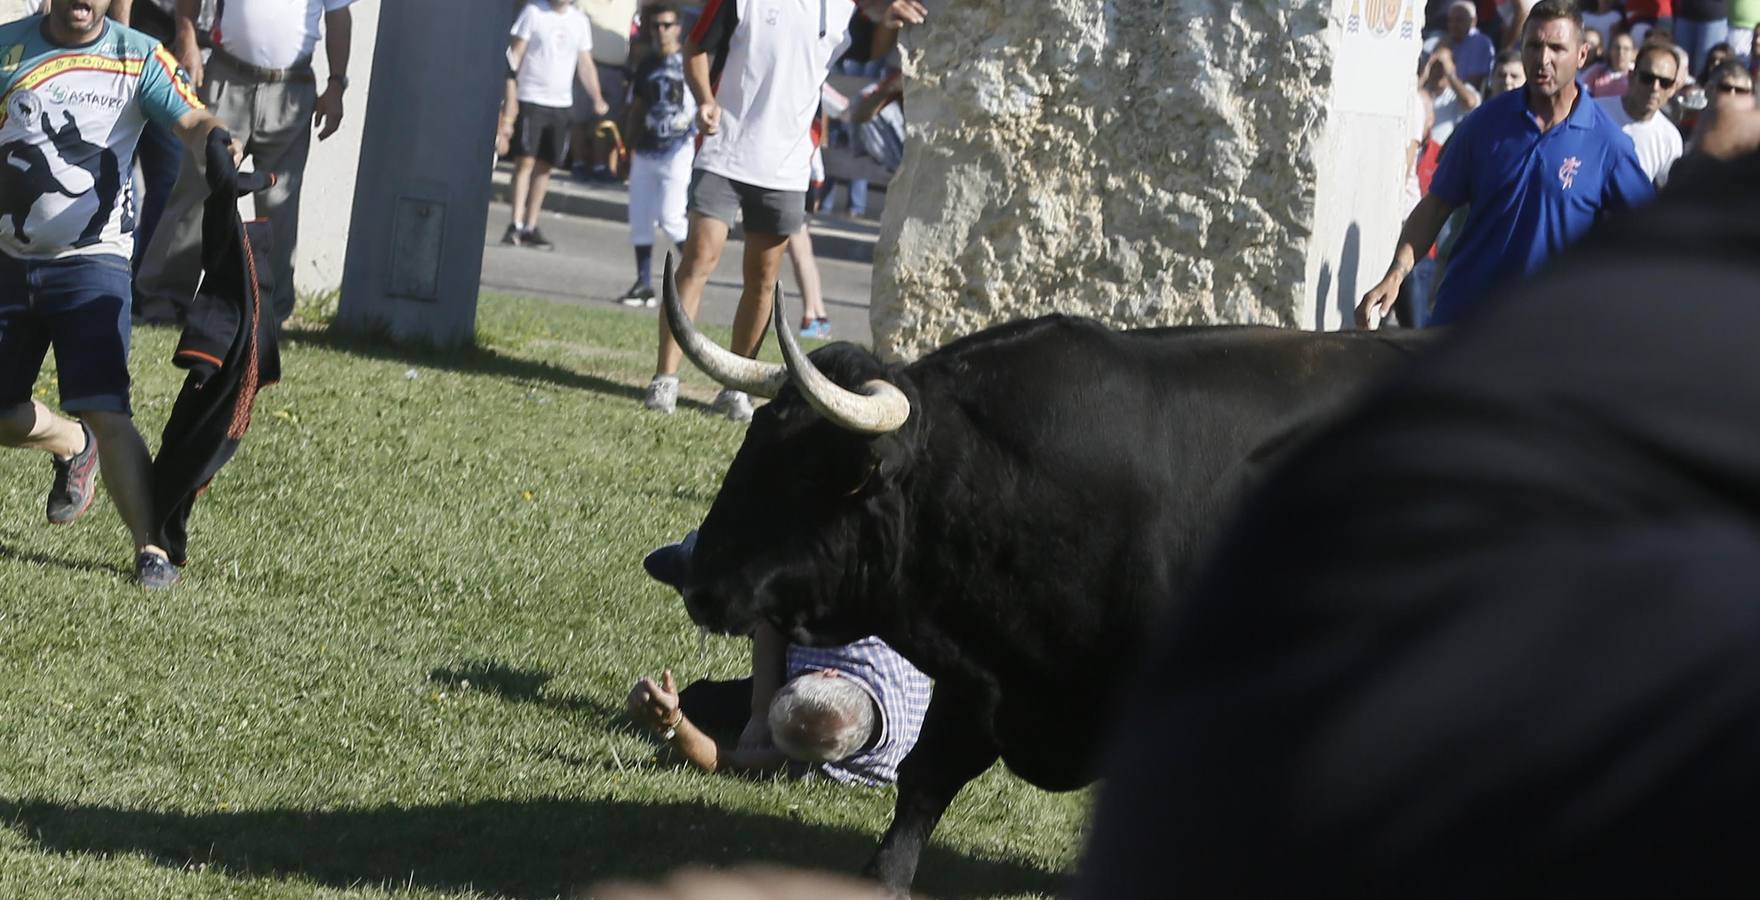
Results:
592 265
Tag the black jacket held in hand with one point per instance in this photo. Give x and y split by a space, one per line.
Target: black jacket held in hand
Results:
230 346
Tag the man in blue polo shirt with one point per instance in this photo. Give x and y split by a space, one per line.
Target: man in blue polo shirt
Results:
1538 167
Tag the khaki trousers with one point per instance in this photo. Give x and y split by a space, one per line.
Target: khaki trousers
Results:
274 122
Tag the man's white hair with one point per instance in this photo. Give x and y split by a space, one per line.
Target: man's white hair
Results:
816 718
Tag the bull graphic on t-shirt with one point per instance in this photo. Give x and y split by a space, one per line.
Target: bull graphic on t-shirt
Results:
100 163
25 173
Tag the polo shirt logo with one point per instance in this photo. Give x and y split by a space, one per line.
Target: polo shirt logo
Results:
1567 173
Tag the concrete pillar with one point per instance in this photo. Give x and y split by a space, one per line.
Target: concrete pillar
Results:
415 252
1143 162
323 211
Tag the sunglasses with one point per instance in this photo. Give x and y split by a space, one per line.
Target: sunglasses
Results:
1655 80
1727 88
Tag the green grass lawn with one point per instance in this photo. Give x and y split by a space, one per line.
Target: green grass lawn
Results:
397 662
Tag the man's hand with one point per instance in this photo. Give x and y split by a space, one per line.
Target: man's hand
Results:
600 107
189 56
1379 301
655 704
900 13
1443 59
327 114
709 117
237 148
895 14
503 139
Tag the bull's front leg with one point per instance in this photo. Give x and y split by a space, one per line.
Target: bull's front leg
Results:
951 750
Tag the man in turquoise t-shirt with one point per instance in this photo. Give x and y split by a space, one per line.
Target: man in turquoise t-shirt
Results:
75 92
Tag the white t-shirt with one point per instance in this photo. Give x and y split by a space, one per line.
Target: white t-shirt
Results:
1449 110
1658 141
777 59
272 34
556 35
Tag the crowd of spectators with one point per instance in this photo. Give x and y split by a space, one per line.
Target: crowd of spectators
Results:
1655 88
633 119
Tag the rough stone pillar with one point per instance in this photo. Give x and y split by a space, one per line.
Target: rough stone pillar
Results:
1144 161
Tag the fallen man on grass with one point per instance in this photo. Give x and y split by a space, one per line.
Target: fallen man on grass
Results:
851 713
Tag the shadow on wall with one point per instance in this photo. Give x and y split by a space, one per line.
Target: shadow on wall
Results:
1344 300
1349 259
1322 295
539 848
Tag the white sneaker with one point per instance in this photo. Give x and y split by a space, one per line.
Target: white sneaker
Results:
733 404
662 394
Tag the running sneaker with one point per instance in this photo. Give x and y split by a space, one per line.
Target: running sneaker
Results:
638 296
733 404
662 394
512 237
154 572
536 239
76 482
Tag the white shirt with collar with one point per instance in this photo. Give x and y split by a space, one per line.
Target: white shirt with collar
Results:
272 34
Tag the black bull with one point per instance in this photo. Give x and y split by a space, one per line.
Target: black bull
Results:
1042 505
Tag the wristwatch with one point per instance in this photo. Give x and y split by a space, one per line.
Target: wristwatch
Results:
340 79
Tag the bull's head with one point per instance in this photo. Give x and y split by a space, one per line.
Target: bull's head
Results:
803 531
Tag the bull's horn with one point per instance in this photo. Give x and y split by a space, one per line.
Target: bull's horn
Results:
731 369
879 406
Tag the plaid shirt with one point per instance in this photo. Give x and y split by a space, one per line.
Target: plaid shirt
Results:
899 690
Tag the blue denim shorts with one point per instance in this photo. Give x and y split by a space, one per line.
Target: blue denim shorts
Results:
80 306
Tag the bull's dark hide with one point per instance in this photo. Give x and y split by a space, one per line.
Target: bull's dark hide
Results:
1041 508
1497 635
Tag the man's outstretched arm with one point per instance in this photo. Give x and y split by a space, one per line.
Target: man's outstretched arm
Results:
1415 240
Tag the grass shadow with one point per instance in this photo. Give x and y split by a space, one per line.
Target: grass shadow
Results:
468 360
518 686
537 848
72 565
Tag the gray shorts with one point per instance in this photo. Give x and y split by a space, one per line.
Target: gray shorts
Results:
766 211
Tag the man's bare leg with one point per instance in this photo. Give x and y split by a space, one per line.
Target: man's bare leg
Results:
702 253
763 265
33 427
806 276
522 185
128 474
540 187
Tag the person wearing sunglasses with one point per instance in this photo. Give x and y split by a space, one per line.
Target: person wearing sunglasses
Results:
659 123
1731 86
1654 80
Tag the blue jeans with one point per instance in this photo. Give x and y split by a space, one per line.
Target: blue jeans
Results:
79 305
1697 38
858 196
